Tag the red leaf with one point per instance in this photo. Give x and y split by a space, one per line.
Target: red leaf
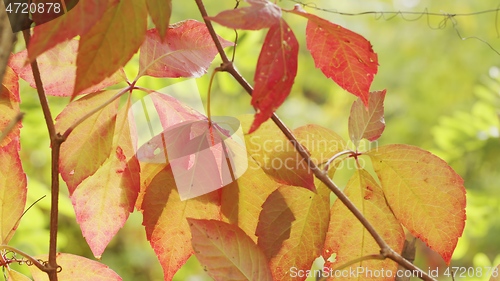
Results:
341 54
76 268
58 70
368 122
227 252
424 193
160 11
110 43
260 14
77 21
165 219
188 51
275 73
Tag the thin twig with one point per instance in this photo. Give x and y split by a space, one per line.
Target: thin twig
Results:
26 256
385 249
56 141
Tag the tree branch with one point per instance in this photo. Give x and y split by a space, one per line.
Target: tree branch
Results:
385 249
55 140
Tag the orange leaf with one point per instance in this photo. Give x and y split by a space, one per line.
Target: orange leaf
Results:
348 238
58 70
104 200
110 43
164 220
424 193
160 11
12 190
77 268
341 54
275 72
90 144
78 21
227 252
291 230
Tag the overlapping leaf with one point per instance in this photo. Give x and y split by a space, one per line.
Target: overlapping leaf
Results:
90 144
77 268
110 43
242 199
58 70
77 21
349 239
227 252
165 220
279 159
188 51
292 228
275 72
12 177
160 11
424 193
104 190
368 122
342 55
260 14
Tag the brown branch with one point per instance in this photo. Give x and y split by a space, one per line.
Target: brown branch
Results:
385 249
55 140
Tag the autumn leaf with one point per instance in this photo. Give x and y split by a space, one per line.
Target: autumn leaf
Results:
260 14
13 182
342 55
13 275
424 193
160 11
90 144
76 268
227 252
242 199
58 70
110 43
368 122
9 105
12 190
275 72
291 230
165 220
188 51
348 239
77 21
279 159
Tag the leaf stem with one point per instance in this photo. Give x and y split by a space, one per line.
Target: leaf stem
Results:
95 110
55 139
35 262
385 249
209 97
334 157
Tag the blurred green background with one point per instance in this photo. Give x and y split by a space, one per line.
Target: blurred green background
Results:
442 95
